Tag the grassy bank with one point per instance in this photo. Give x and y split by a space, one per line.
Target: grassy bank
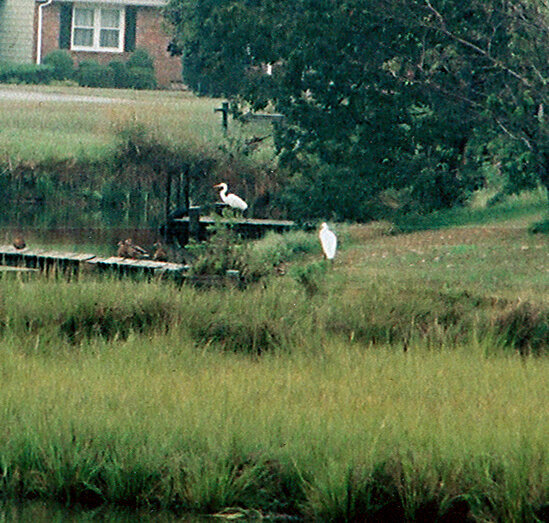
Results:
49 131
408 381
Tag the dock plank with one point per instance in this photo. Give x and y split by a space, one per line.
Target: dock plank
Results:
11 268
244 221
41 258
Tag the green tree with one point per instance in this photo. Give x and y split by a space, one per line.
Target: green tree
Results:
492 57
397 98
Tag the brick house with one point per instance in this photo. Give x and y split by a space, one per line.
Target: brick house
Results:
101 30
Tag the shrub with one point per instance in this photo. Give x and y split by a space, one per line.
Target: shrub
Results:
91 73
222 252
141 78
141 59
133 77
540 227
26 73
276 248
140 71
121 76
62 63
310 276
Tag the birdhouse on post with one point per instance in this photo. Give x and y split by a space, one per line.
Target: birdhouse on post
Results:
224 110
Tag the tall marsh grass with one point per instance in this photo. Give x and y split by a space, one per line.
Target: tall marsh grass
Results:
404 388
331 435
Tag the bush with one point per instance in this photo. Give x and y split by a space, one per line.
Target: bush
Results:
540 227
62 63
136 73
91 73
277 248
141 78
26 73
141 59
310 276
121 76
222 252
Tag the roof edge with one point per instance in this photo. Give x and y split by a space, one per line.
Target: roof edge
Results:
137 3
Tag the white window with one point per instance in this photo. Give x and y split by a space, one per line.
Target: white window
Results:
98 29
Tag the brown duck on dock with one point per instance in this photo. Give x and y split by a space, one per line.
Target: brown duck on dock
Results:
160 253
127 249
19 243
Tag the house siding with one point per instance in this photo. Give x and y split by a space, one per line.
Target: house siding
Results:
149 36
16 30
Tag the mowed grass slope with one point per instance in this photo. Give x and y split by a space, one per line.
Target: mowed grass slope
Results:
48 130
409 382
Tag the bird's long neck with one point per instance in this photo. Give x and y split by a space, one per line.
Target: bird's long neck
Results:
223 192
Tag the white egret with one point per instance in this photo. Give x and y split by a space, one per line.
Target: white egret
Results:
328 241
232 200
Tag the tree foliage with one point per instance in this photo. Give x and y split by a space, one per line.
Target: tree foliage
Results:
386 102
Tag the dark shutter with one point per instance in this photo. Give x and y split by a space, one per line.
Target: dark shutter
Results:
65 25
129 37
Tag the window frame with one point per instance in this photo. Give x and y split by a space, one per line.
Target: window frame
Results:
96 47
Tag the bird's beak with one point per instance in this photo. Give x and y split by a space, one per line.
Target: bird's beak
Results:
216 186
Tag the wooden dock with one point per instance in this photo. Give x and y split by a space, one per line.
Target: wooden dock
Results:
199 227
73 262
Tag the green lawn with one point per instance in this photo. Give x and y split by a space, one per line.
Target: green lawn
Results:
40 131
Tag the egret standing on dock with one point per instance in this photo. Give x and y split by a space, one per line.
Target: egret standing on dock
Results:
232 200
328 241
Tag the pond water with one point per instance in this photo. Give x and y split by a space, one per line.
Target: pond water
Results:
54 513
60 215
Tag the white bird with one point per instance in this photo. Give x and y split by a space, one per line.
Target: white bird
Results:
232 200
328 241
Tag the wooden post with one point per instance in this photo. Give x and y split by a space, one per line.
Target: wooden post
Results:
224 110
168 193
146 207
178 190
194 222
187 188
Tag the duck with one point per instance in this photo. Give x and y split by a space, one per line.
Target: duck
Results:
160 253
127 249
19 243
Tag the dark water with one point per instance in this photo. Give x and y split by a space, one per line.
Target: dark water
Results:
77 221
37 511
61 213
